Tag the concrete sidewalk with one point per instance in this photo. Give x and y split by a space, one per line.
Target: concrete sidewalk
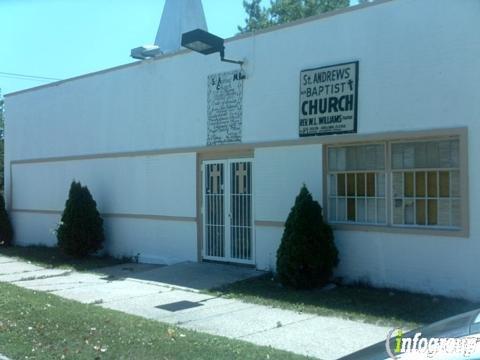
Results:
172 294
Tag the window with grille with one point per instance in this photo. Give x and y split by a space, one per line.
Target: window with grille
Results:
356 184
397 183
426 183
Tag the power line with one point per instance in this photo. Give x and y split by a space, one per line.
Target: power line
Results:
26 77
22 78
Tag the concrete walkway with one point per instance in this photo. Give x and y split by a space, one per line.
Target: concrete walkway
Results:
172 294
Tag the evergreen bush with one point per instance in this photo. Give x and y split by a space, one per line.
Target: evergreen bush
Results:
6 230
307 254
80 232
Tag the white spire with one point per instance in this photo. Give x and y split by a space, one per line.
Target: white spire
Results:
178 17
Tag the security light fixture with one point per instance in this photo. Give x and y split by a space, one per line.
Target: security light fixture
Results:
145 52
205 43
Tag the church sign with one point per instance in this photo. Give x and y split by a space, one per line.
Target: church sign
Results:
328 100
225 98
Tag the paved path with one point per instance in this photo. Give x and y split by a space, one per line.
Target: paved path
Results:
143 290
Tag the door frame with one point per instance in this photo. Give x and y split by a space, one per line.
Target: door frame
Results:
227 219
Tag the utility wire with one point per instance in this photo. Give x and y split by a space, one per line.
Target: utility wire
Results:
22 78
26 77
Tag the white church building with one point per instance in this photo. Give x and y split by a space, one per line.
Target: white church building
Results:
376 108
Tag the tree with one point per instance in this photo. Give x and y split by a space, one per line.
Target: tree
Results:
283 11
257 16
6 230
2 145
307 254
81 229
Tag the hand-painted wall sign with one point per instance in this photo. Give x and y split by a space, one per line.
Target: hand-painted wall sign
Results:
225 98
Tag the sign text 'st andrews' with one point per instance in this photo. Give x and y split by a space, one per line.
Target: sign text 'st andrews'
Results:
328 104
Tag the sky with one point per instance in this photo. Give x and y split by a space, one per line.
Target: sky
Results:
60 39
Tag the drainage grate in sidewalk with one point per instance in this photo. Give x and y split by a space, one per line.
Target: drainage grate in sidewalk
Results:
179 306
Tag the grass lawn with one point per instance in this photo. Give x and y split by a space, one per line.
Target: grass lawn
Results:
377 306
53 258
37 325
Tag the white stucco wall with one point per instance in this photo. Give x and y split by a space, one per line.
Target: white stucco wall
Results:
418 71
279 174
430 264
413 73
123 188
153 240
126 185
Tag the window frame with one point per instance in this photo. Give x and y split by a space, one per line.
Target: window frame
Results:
356 197
461 231
414 198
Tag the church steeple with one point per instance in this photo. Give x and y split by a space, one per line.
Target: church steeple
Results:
178 17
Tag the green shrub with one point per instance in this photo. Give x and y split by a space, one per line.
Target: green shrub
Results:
6 230
307 254
80 232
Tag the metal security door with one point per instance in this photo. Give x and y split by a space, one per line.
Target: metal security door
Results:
241 220
227 211
214 210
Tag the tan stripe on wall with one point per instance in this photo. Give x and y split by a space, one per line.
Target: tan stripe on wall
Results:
267 223
116 215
